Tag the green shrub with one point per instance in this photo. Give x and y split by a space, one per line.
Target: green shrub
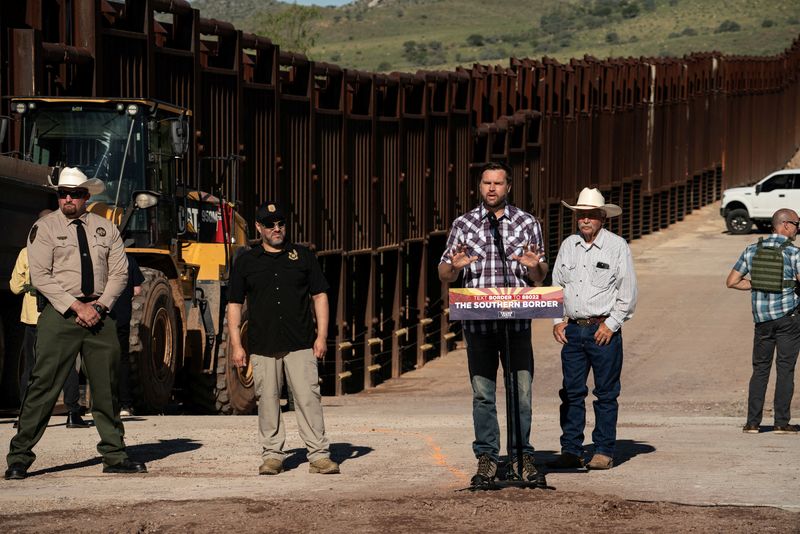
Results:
612 37
728 26
384 66
689 32
631 11
475 39
766 23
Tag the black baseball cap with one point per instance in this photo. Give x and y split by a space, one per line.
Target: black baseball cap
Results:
270 213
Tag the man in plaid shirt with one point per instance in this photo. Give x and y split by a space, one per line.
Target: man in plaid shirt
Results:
777 325
471 250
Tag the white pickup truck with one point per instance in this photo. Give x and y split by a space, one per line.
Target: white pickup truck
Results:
743 206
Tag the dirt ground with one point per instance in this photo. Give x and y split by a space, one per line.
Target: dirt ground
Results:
682 464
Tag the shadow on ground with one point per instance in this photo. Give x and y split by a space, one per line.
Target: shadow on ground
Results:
340 452
145 452
627 449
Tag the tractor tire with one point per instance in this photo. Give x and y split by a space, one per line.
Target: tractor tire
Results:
738 222
235 391
153 344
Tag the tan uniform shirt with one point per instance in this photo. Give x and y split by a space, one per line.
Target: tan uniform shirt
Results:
55 261
21 283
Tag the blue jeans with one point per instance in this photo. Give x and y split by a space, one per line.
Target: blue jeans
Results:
484 351
579 355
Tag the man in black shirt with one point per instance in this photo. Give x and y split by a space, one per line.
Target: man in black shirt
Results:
281 282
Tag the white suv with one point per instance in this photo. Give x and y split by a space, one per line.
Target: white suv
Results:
743 206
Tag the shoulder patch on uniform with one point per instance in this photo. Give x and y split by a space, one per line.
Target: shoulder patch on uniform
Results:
32 235
101 232
293 255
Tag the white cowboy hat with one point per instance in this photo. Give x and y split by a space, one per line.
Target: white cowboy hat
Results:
72 177
591 199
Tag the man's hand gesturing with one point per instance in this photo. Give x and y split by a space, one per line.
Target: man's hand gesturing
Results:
530 256
460 259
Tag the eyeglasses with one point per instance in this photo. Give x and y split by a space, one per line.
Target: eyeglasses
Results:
277 225
795 223
73 193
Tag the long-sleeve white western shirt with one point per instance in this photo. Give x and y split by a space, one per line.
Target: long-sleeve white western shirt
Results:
598 279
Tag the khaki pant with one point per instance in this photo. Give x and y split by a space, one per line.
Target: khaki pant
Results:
301 372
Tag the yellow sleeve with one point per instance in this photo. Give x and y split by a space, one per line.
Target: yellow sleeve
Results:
20 276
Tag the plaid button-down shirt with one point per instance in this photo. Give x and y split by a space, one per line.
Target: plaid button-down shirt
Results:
771 306
518 229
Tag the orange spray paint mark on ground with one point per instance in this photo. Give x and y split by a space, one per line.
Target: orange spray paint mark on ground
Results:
439 458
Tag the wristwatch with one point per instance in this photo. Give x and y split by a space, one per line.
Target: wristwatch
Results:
99 309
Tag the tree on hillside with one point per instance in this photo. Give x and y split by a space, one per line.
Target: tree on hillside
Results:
292 28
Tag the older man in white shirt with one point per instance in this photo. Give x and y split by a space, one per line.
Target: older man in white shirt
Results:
595 268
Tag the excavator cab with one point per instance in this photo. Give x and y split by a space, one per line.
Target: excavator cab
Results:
131 145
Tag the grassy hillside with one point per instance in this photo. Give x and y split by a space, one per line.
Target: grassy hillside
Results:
408 35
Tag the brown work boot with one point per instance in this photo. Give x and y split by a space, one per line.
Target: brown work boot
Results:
529 471
786 429
487 471
324 466
600 461
271 466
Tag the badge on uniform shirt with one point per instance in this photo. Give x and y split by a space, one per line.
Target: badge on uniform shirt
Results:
101 232
32 235
293 255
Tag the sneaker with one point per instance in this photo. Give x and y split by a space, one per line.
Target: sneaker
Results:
600 461
750 429
566 460
126 411
529 471
786 429
324 466
487 470
271 466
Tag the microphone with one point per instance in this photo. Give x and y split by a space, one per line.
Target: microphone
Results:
493 222
498 239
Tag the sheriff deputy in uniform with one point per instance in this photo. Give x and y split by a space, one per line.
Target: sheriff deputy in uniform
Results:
78 263
20 283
